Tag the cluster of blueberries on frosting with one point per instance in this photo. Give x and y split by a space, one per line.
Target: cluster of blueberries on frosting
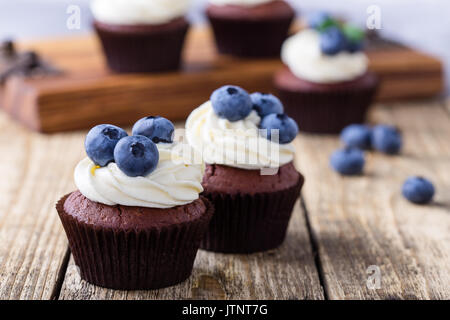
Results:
384 138
135 155
234 103
336 36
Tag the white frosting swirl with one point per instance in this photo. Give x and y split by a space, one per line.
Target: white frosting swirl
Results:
138 11
302 54
237 144
174 182
247 3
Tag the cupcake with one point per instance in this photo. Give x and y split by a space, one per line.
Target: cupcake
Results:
250 28
141 36
137 219
250 177
326 84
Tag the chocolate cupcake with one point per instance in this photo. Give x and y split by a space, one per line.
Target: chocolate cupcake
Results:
250 177
250 28
136 220
253 210
326 84
141 36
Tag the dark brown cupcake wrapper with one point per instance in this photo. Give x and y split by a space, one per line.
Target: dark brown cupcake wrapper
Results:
253 38
134 259
328 111
140 51
247 223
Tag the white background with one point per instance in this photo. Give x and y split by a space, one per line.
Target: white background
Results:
424 24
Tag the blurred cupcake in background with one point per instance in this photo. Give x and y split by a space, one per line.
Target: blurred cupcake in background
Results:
250 28
326 84
139 35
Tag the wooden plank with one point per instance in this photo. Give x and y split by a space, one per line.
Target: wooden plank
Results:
362 221
77 99
37 170
288 272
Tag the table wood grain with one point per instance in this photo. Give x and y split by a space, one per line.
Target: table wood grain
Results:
364 221
341 227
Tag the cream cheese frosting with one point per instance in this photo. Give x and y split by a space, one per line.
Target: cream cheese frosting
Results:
247 3
302 54
237 144
138 11
175 181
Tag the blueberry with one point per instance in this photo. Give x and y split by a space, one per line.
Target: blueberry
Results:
348 161
232 103
158 129
265 104
136 156
320 20
354 46
100 143
356 136
386 139
287 127
332 41
418 190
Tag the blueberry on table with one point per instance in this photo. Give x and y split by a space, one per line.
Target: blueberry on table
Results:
265 104
136 156
348 161
418 190
332 41
387 139
357 136
232 103
288 128
101 141
157 129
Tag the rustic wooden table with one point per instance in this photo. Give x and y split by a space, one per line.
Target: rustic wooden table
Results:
341 228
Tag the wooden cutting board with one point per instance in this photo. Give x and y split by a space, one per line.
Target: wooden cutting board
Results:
87 93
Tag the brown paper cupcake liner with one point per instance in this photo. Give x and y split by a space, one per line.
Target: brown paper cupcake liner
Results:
328 111
246 38
134 259
247 223
135 50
